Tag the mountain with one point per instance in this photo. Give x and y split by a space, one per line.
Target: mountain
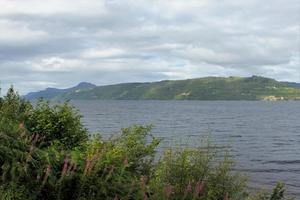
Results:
207 88
292 84
50 93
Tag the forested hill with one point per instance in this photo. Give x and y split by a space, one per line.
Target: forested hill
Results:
208 88
50 93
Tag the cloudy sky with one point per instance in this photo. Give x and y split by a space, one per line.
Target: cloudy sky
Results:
59 43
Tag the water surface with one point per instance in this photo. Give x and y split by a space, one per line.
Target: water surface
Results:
264 136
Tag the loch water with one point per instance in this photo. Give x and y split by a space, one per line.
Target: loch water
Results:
263 137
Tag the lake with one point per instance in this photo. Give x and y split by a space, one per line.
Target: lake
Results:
264 137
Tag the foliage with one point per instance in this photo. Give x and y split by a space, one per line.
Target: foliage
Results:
56 124
45 154
12 107
278 193
208 88
197 174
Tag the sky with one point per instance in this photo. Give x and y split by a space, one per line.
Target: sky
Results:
59 43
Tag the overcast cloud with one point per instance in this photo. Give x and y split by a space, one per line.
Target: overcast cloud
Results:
59 43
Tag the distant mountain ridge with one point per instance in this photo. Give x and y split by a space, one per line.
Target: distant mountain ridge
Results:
50 93
292 84
207 88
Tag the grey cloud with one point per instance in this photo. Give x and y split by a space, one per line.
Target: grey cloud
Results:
120 41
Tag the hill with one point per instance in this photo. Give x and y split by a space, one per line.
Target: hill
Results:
50 93
208 88
292 84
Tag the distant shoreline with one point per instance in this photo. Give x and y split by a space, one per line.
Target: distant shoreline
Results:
254 88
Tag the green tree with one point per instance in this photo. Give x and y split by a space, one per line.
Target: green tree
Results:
59 124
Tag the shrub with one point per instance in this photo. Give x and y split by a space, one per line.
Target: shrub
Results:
197 174
45 155
12 107
56 124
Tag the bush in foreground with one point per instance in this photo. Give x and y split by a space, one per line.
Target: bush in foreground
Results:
45 153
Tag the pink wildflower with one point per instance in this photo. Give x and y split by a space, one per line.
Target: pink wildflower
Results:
22 126
112 168
169 191
125 162
145 197
87 165
116 197
32 137
188 190
36 138
226 197
189 187
31 149
74 168
143 182
65 168
199 189
47 173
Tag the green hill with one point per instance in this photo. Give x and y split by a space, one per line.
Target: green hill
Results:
208 88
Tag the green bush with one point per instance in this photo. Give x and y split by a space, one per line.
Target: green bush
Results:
12 107
197 174
45 154
56 124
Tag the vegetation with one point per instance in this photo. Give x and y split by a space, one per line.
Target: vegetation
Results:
50 93
46 153
209 88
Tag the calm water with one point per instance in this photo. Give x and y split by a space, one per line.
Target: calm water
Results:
264 136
